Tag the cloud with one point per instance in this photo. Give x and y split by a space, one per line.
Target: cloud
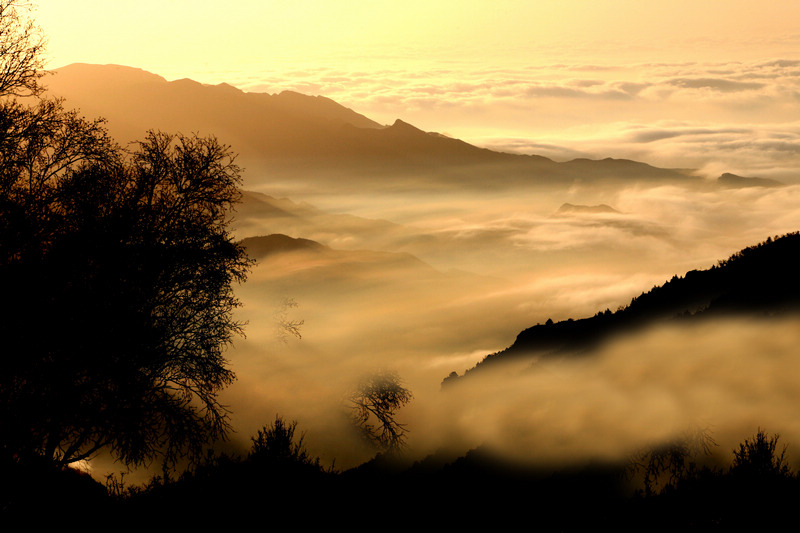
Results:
526 266
717 84
738 116
639 390
761 150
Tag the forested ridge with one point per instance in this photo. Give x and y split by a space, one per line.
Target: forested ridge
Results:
760 280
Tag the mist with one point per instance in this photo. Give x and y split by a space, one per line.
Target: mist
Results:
727 377
437 283
431 254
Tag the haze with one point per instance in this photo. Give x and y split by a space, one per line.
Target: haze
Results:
427 280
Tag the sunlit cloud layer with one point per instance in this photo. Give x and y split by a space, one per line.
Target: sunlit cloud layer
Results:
488 268
728 378
737 117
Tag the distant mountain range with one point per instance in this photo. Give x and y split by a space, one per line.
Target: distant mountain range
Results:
761 280
291 135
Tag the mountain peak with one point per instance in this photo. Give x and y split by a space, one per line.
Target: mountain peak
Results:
92 73
399 125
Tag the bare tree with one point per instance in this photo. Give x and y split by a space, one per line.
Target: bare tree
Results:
285 326
21 48
666 465
374 405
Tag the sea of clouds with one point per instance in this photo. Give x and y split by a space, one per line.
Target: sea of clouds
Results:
740 117
428 284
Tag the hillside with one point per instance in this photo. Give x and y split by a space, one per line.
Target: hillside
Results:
758 280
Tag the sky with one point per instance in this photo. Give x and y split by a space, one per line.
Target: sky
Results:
620 78
179 36
703 84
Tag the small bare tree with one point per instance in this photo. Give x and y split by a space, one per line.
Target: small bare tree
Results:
374 404
285 326
666 465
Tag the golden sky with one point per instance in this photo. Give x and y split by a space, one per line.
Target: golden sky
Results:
674 83
179 37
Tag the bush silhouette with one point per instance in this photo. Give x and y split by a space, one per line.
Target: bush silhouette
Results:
278 444
759 457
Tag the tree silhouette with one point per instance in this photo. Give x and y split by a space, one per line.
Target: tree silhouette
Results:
21 47
374 404
116 268
663 467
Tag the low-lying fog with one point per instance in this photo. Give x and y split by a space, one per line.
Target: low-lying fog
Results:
428 284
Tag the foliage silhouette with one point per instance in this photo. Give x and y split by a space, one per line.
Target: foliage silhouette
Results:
374 404
120 266
757 482
758 457
277 443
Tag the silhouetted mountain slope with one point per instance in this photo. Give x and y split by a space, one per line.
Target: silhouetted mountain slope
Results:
287 135
619 169
259 213
258 247
312 262
761 279
737 182
259 125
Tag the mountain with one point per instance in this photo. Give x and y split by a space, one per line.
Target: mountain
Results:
732 181
259 213
759 280
571 209
135 101
313 260
263 246
289 136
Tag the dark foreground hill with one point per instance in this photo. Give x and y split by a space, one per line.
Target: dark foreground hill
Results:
758 280
283 487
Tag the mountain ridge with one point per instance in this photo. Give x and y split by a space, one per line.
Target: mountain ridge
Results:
286 135
759 279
